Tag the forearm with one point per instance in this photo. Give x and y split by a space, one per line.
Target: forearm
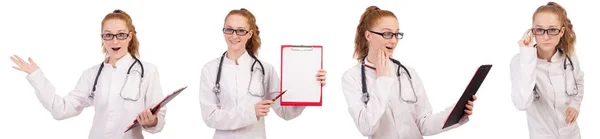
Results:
233 119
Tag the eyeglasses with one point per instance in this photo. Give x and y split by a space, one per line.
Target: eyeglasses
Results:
389 35
550 31
239 32
119 36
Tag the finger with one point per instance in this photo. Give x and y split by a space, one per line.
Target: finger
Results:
323 83
575 117
469 107
20 60
474 97
31 61
470 103
15 60
148 115
141 119
468 112
138 118
20 69
269 102
568 118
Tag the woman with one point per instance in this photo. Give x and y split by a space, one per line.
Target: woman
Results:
547 81
236 89
383 103
121 89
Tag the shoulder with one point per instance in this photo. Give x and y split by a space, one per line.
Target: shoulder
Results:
410 69
352 72
212 64
268 67
91 71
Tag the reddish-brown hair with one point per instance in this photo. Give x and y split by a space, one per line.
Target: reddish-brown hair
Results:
134 45
368 20
253 43
567 41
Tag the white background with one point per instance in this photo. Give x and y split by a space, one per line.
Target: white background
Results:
445 41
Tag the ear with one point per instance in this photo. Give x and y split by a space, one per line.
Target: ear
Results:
250 33
368 36
562 31
130 36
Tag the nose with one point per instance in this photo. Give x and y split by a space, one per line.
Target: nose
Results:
234 35
114 40
545 36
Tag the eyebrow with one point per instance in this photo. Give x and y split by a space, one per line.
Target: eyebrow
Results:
122 31
551 26
388 29
228 26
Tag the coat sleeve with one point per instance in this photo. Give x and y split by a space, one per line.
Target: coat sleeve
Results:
522 77
578 77
61 107
213 115
366 117
154 95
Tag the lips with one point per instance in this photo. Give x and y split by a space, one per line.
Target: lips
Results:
389 48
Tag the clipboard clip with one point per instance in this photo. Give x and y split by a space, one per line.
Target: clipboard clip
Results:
302 48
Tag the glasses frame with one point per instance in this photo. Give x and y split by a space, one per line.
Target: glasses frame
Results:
546 31
239 32
113 36
398 35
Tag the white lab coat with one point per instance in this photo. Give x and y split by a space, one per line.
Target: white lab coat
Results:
546 116
233 116
386 116
112 114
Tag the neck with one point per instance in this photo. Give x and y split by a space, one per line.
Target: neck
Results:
371 58
546 55
113 60
235 55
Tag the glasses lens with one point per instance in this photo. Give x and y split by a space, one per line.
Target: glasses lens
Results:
241 32
107 36
553 31
228 31
387 35
122 36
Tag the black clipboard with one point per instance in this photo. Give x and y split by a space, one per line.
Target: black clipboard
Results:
459 110
161 104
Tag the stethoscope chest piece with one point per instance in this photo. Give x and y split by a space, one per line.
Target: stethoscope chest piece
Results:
217 89
365 97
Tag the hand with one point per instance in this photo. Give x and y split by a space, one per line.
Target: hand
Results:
527 40
572 114
382 65
22 65
262 108
147 119
469 106
321 76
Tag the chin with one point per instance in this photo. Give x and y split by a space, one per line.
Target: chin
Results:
547 47
235 47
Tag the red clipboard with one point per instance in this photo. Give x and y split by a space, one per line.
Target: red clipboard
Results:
298 61
160 105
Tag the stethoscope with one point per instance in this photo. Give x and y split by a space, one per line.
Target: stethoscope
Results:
365 94
126 79
536 91
217 88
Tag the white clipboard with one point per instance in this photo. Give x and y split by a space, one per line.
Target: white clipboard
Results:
299 67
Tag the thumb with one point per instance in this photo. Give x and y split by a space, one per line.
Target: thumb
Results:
31 61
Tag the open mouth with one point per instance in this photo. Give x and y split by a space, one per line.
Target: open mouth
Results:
116 49
389 48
